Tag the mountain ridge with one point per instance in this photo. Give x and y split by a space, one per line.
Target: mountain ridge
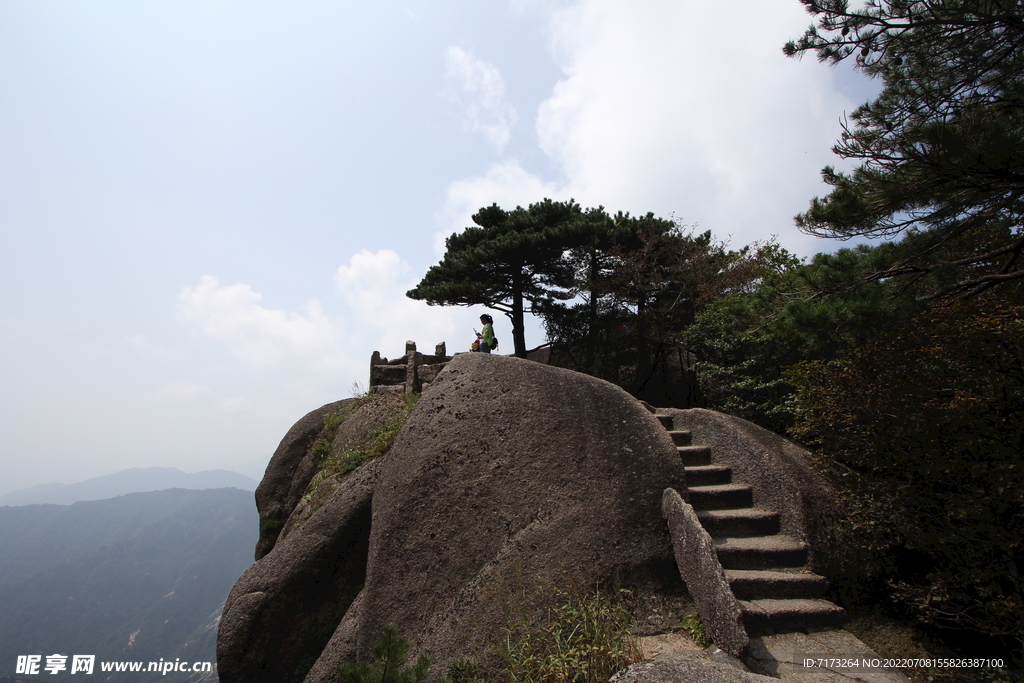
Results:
131 480
137 577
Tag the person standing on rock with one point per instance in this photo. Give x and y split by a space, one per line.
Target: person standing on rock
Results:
486 338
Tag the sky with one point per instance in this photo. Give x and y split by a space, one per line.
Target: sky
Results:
210 212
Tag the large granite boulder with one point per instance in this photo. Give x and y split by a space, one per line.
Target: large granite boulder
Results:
508 475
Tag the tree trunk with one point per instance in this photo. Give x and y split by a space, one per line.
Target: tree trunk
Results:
588 362
644 361
518 334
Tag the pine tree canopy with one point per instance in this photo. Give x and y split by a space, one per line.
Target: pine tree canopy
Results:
513 262
941 150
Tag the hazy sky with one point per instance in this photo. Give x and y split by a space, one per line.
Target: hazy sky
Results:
210 211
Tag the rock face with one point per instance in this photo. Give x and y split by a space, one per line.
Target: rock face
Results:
685 668
508 475
279 496
288 474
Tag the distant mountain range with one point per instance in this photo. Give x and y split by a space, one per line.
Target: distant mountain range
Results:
134 480
140 577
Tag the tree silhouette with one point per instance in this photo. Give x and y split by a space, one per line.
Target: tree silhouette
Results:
513 262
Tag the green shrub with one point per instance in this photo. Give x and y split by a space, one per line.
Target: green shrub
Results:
463 671
322 445
346 460
586 639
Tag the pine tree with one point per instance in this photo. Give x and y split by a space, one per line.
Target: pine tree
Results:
513 262
941 150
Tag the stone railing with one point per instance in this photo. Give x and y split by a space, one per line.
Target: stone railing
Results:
411 372
415 371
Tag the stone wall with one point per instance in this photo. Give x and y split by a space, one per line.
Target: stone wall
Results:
410 372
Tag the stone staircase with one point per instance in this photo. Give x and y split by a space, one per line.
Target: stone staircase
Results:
765 570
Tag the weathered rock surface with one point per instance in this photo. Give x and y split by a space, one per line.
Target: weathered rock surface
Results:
687 667
786 656
284 609
509 474
700 569
279 495
288 473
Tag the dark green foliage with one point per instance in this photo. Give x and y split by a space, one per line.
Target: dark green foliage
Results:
577 329
813 311
920 421
941 150
923 430
388 664
622 272
642 281
917 411
513 262
463 671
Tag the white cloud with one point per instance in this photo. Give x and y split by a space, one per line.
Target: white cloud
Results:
181 391
681 107
311 352
506 184
478 91
374 287
260 336
141 343
235 404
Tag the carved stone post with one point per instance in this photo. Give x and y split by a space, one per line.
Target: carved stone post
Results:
374 360
413 360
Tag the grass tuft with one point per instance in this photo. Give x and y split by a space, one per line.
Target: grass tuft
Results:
585 640
693 626
344 461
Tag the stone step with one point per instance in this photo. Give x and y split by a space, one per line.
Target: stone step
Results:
681 437
760 552
708 475
748 584
740 522
720 496
763 617
694 456
665 420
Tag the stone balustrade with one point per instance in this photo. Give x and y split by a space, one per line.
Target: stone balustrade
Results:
408 373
